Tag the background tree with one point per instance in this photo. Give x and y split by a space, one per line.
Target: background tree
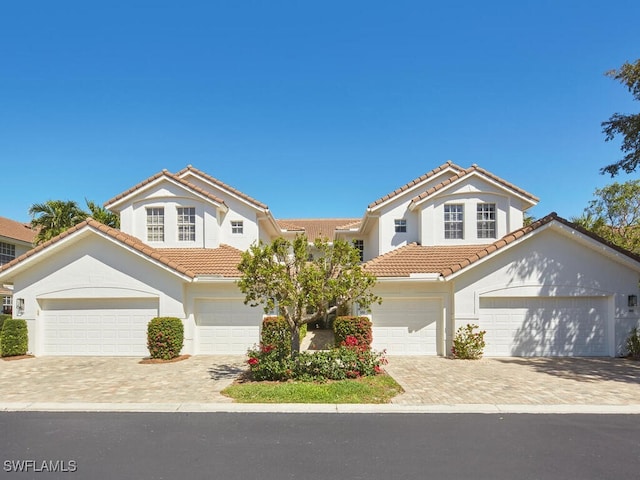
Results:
615 214
102 215
626 125
282 274
53 217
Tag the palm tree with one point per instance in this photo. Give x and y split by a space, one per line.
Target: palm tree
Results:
103 215
53 217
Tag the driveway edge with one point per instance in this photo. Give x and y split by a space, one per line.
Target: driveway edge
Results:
320 408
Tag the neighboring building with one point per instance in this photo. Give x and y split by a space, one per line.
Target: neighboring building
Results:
448 248
15 239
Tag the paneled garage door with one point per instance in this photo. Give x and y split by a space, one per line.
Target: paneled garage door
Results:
97 327
554 326
226 326
406 326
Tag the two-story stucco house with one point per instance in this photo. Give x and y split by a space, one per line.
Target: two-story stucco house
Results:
448 248
15 239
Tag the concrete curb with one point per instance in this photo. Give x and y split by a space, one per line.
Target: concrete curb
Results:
320 408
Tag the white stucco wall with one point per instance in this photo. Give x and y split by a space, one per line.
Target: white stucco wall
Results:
92 267
550 264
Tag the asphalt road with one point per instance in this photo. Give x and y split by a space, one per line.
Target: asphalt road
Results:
318 446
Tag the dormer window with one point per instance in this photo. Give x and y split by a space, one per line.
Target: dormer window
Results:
237 227
486 220
400 225
155 224
186 224
453 221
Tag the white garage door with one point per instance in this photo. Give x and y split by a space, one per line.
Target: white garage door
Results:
97 327
406 326
553 326
226 326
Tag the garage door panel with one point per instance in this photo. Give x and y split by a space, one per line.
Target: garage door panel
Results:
226 326
545 326
406 326
97 327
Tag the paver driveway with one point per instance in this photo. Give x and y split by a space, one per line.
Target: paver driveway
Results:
198 379
527 381
426 380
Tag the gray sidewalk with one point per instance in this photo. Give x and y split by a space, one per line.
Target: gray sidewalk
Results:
432 384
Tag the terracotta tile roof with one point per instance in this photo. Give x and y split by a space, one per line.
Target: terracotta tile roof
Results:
190 168
351 225
416 181
187 261
315 228
112 232
447 260
16 230
167 174
206 261
414 258
464 173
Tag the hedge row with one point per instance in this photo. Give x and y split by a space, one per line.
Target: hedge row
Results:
356 327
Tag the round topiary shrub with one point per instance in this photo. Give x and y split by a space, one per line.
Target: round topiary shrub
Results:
14 339
165 337
356 327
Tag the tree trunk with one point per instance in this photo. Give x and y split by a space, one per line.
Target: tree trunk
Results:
295 340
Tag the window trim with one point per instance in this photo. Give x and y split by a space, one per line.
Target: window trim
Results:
237 227
155 229
358 243
400 225
186 230
488 226
7 252
449 223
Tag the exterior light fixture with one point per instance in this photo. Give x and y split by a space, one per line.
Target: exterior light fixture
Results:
19 306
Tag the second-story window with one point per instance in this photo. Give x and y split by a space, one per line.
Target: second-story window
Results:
359 244
186 224
7 252
400 225
237 227
486 220
155 224
453 221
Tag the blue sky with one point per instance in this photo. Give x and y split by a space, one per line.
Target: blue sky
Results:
315 108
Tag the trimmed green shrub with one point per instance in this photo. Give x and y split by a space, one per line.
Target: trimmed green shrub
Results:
165 337
357 327
15 338
633 344
467 344
276 333
336 364
3 317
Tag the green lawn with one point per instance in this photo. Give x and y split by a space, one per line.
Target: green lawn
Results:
375 389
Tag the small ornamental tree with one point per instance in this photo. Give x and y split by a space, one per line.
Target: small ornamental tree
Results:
281 273
165 337
468 344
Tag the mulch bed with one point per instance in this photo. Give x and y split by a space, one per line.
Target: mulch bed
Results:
150 361
17 357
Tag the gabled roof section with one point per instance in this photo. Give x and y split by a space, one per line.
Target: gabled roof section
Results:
316 228
222 185
449 260
112 233
16 230
449 165
475 169
416 259
157 178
